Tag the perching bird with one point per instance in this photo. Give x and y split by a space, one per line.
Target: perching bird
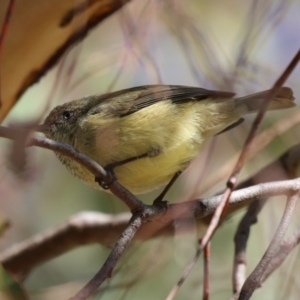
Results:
149 133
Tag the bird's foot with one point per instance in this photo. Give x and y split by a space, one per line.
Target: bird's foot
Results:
111 177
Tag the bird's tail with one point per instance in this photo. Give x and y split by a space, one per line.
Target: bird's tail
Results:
251 103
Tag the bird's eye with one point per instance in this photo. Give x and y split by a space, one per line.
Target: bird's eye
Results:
67 114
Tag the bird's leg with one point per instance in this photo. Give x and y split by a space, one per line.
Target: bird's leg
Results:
110 170
159 200
110 167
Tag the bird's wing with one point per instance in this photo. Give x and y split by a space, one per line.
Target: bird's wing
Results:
125 102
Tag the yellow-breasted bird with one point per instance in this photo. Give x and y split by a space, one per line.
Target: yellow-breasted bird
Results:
149 133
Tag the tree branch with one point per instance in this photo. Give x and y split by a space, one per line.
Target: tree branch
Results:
240 241
87 227
116 188
254 279
109 265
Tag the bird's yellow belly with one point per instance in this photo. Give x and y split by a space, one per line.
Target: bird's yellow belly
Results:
150 173
145 174
178 136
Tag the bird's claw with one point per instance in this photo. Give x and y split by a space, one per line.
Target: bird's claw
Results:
111 178
162 203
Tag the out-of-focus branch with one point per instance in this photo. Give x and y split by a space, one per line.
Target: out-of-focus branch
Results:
240 240
81 229
254 279
283 168
285 249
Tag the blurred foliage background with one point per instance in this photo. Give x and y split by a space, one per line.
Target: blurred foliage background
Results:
240 46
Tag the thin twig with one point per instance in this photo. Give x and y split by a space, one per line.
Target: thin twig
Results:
259 143
110 263
254 279
284 167
273 92
240 240
186 272
285 249
233 179
206 272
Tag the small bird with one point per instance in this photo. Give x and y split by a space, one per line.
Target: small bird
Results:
147 134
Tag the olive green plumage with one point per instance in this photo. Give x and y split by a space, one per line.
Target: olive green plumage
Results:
170 123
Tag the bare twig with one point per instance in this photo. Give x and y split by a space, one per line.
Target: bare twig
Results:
240 240
283 168
259 143
285 249
186 272
254 279
203 242
278 84
109 265
206 272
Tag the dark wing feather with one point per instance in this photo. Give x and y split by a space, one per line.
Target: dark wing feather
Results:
137 98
